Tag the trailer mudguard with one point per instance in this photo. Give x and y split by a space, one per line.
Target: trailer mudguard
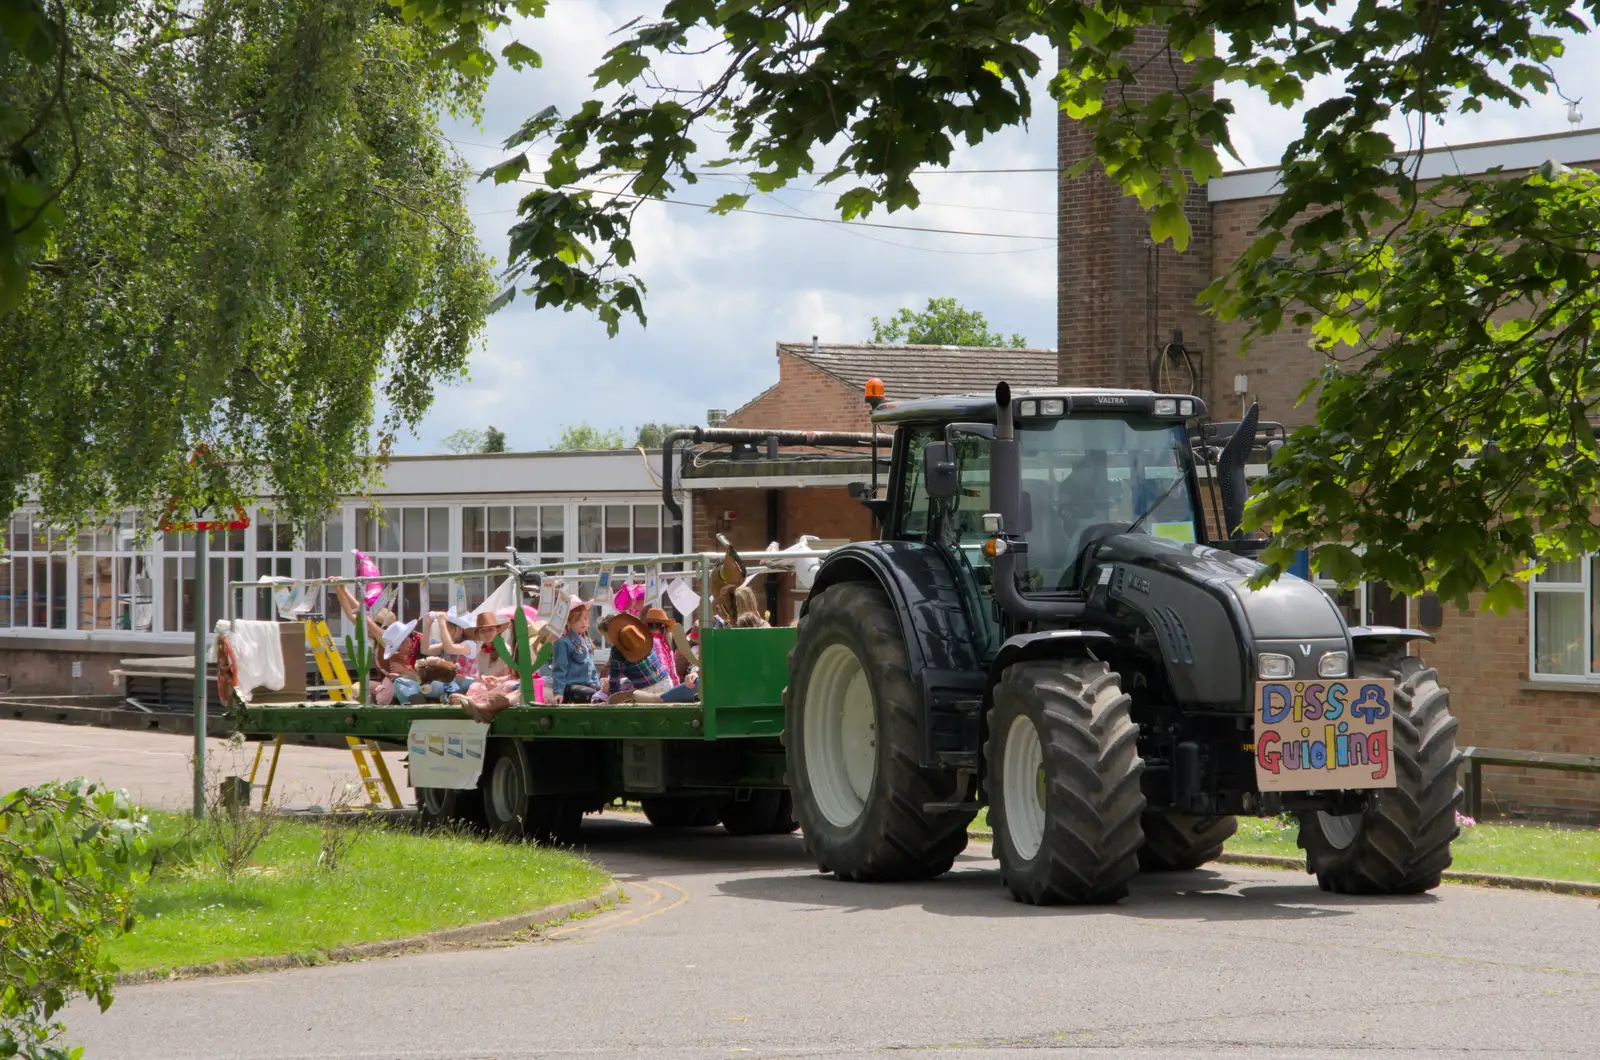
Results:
946 648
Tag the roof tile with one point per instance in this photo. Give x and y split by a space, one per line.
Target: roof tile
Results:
924 371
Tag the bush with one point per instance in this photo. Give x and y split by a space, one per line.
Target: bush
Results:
67 854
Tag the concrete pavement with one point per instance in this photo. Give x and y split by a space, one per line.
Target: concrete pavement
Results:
737 948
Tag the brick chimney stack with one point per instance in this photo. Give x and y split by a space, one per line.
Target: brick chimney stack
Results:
1108 278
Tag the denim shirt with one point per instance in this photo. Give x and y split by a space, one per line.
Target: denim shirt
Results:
573 663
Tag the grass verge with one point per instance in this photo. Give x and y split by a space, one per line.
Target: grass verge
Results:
1544 851
392 884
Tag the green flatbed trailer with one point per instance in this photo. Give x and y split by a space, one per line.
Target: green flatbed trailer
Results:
695 763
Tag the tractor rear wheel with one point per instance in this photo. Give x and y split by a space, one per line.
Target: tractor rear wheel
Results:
1400 844
853 732
1063 783
1178 842
681 813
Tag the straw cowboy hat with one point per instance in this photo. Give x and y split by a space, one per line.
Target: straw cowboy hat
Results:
629 636
656 616
727 576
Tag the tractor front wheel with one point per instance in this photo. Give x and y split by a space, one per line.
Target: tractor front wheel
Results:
852 730
1400 844
1063 783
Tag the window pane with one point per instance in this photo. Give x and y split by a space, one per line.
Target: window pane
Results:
333 533
169 596
103 538
438 529
284 538
330 602
646 529
472 529
589 535
366 531
235 540
1385 607
313 568
263 531
58 592
20 541
499 532
216 590
552 530
415 536
389 531
105 598
1558 646
7 602
674 535
1594 617
217 542
85 592
1570 571
526 535
264 610
618 520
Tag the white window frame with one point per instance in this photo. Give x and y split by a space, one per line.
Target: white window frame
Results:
1583 588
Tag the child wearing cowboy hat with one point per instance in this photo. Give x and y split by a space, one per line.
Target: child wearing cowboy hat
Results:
636 672
572 671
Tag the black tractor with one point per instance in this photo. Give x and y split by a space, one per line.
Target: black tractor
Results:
1047 626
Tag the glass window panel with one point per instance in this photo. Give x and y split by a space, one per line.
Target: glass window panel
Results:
7 602
646 528
263 526
170 596
438 529
284 537
499 533
1558 646
366 531
1385 607
552 530
58 592
618 528
20 540
1569 571
264 611
186 610
674 535
313 568
473 587
415 536
589 536
216 601
105 595
86 539
332 566
389 531
526 536
85 583
39 611
389 566
472 530
1594 615
104 538
217 542
333 532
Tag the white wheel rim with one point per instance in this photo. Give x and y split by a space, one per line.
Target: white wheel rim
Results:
504 789
1022 787
432 800
1341 830
841 735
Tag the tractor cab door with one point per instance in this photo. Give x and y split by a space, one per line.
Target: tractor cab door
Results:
953 526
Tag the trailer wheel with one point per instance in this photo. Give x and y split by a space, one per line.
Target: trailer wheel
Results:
443 807
1399 844
682 813
504 786
852 721
1063 783
757 815
1178 842
554 820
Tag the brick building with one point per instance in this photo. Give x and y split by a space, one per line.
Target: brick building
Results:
1529 681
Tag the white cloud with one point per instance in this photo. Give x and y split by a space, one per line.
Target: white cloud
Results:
723 290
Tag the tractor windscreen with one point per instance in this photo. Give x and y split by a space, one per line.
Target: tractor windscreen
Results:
1090 477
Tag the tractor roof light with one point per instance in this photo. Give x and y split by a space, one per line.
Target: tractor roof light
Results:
1166 406
1186 409
874 392
1053 407
1027 408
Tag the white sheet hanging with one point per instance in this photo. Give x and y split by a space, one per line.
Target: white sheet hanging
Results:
257 653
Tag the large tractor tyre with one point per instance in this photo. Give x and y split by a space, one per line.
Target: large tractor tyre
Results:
1400 844
445 808
504 787
1178 842
1063 783
682 813
757 815
852 727
554 820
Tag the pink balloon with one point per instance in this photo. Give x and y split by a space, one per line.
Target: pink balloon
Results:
366 568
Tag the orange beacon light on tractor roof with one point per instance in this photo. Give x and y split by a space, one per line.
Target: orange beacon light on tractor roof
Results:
874 392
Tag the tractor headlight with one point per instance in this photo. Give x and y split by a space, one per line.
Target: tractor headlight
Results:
1334 664
1271 666
1053 407
1186 408
1027 408
1166 406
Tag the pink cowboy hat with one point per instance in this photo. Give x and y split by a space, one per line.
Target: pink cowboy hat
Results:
627 596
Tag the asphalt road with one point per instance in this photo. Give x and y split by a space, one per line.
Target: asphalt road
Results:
736 948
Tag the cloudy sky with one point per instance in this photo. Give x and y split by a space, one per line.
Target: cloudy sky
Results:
724 290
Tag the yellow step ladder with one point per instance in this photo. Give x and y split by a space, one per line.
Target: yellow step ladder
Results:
336 678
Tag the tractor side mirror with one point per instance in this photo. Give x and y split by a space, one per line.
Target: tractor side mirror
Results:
939 472
1231 470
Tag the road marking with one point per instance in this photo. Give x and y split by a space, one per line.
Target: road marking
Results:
626 917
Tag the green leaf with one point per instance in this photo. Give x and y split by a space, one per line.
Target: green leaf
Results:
1168 222
520 56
